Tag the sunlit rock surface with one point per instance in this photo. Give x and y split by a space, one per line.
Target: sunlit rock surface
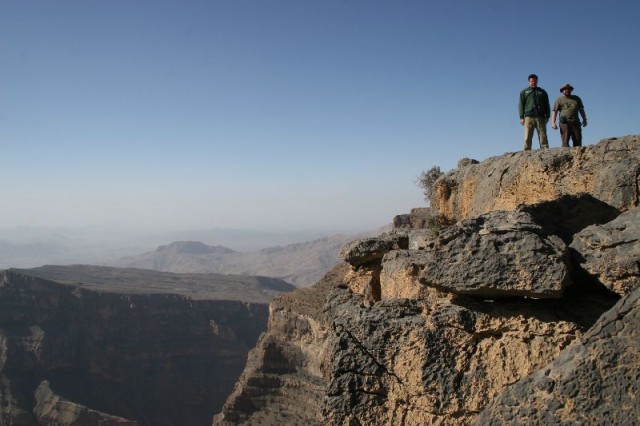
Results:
495 297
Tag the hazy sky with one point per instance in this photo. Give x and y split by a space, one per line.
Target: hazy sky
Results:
274 114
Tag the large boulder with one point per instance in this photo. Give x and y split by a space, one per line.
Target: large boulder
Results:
611 252
500 254
367 250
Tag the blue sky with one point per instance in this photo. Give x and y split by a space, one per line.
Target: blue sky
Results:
282 114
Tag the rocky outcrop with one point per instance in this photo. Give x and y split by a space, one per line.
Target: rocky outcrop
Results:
117 347
436 323
367 250
609 171
500 254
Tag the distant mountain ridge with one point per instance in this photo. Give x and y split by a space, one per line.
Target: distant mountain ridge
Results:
194 247
29 247
301 264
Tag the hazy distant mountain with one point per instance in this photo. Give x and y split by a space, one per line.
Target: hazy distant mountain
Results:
301 264
223 251
28 247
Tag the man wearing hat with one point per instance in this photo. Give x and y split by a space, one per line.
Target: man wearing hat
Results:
569 106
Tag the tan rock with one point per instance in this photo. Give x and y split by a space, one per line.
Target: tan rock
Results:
608 171
459 320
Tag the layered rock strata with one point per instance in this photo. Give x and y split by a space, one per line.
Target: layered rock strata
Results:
97 354
440 324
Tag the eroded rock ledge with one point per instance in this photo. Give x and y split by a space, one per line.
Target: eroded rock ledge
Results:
454 323
609 171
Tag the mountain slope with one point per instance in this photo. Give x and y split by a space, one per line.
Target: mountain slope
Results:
301 264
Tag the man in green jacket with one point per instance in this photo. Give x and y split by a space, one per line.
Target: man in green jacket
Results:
569 106
534 113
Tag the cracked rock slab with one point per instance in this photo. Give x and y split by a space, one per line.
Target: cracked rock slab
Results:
500 254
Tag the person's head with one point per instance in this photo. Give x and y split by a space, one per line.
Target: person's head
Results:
566 89
533 80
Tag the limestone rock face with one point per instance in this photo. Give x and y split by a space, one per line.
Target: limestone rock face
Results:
412 362
283 382
593 381
611 252
609 171
474 316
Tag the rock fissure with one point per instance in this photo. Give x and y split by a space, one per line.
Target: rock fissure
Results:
341 329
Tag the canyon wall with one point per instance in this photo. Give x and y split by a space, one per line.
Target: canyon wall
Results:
121 351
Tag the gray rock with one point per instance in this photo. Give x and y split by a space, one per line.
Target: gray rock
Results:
417 219
402 221
501 254
611 252
367 250
421 238
593 381
464 162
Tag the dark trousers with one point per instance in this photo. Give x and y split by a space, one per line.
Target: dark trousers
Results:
573 130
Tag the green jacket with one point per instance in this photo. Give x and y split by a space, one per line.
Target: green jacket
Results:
534 102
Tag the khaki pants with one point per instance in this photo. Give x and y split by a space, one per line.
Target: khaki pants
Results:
539 124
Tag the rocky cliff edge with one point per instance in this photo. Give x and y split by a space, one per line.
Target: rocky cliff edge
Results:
513 300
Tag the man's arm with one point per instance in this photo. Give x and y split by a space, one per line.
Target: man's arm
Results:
584 117
521 107
547 106
553 119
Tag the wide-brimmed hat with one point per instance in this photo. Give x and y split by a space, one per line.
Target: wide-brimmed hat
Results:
566 86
